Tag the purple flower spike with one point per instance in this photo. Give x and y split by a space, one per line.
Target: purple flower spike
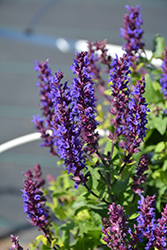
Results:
146 220
115 228
66 129
46 105
15 243
84 101
132 31
148 227
161 231
163 80
120 92
129 108
34 200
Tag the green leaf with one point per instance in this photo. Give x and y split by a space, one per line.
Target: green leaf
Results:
53 243
107 92
67 226
60 213
158 46
82 196
151 94
108 147
120 186
44 240
133 216
164 167
66 238
157 122
46 248
159 147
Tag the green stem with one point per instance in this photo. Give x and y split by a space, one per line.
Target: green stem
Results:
108 183
122 168
95 194
102 159
130 211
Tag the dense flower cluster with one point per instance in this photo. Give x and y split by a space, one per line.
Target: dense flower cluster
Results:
147 226
46 105
129 108
34 200
132 31
115 228
66 132
84 101
146 219
15 243
118 234
120 92
140 177
73 122
161 231
163 80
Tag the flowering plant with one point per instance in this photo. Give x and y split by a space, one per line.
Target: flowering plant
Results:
115 164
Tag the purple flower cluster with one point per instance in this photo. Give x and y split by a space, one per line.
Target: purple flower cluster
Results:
115 228
163 80
129 108
118 234
34 200
146 219
66 132
140 177
73 122
132 31
70 115
119 74
161 231
150 228
84 102
15 243
46 105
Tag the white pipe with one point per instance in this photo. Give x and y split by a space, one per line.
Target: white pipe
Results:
33 137
81 45
19 141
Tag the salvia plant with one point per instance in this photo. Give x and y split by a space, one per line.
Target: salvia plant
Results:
112 193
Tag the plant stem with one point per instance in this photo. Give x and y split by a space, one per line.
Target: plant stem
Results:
95 194
122 168
130 211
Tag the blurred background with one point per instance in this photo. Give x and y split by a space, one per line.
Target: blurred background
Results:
35 30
